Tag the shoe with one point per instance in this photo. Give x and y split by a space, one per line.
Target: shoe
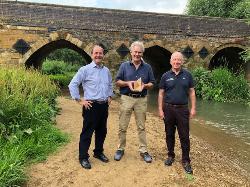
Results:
187 167
102 157
85 163
146 157
169 161
118 155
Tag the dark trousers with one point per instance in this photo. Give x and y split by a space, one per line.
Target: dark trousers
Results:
94 119
177 117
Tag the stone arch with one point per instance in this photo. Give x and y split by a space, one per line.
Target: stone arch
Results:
158 57
228 56
57 40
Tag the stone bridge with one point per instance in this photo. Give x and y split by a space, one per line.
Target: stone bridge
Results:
30 31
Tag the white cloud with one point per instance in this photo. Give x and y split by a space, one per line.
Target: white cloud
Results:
160 6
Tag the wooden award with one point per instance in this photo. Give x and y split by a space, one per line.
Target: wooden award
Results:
138 85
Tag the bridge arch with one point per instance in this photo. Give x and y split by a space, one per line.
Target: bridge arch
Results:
158 57
39 50
229 56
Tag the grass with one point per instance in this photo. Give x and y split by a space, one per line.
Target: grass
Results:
27 111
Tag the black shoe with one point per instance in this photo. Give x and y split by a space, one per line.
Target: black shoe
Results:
85 163
118 155
187 167
169 161
146 157
102 157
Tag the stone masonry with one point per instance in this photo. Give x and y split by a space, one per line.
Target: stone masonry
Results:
45 27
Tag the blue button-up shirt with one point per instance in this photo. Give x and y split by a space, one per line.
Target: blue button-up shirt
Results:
128 72
96 81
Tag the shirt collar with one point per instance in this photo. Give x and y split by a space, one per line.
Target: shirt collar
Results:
94 65
181 71
141 64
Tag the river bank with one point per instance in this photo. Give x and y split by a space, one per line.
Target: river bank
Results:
211 168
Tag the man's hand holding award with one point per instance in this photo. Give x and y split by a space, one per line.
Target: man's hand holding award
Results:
138 85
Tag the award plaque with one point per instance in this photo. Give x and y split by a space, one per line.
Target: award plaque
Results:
138 85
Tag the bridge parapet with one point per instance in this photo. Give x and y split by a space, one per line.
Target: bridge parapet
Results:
57 17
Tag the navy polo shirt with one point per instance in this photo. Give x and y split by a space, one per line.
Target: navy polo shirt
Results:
176 87
127 72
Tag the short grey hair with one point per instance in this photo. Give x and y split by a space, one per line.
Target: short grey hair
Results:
137 43
177 53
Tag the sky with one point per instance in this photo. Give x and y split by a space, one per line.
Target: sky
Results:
159 6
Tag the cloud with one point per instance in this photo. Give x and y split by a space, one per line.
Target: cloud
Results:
160 6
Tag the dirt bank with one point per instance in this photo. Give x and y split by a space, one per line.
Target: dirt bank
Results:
62 169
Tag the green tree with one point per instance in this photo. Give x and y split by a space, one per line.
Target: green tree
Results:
241 10
219 8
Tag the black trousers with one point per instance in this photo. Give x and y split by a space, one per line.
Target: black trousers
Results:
94 119
177 117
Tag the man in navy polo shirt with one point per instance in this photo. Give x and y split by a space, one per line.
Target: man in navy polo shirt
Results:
134 100
175 89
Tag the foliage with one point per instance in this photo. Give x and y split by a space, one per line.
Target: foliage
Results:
26 148
219 8
58 67
59 72
241 10
26 100
221 85
246 55
27 109
62 80
67 55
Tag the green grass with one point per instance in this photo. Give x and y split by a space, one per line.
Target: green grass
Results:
27 111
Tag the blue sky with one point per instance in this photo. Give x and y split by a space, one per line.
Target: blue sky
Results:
160 6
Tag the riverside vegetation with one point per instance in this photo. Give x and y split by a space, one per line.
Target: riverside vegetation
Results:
221 85
27 111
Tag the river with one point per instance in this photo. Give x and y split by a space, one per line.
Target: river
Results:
226 126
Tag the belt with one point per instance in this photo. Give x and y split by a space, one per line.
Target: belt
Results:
176 105
135 95
99 101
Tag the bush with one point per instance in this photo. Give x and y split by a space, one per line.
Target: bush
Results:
62 80
53 67
221 85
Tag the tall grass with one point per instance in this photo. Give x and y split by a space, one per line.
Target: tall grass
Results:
27 110
26 100
221 85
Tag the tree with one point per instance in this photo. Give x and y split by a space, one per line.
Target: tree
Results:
241 10
219 8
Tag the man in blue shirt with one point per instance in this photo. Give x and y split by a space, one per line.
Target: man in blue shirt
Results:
96 82
134 100
175 89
